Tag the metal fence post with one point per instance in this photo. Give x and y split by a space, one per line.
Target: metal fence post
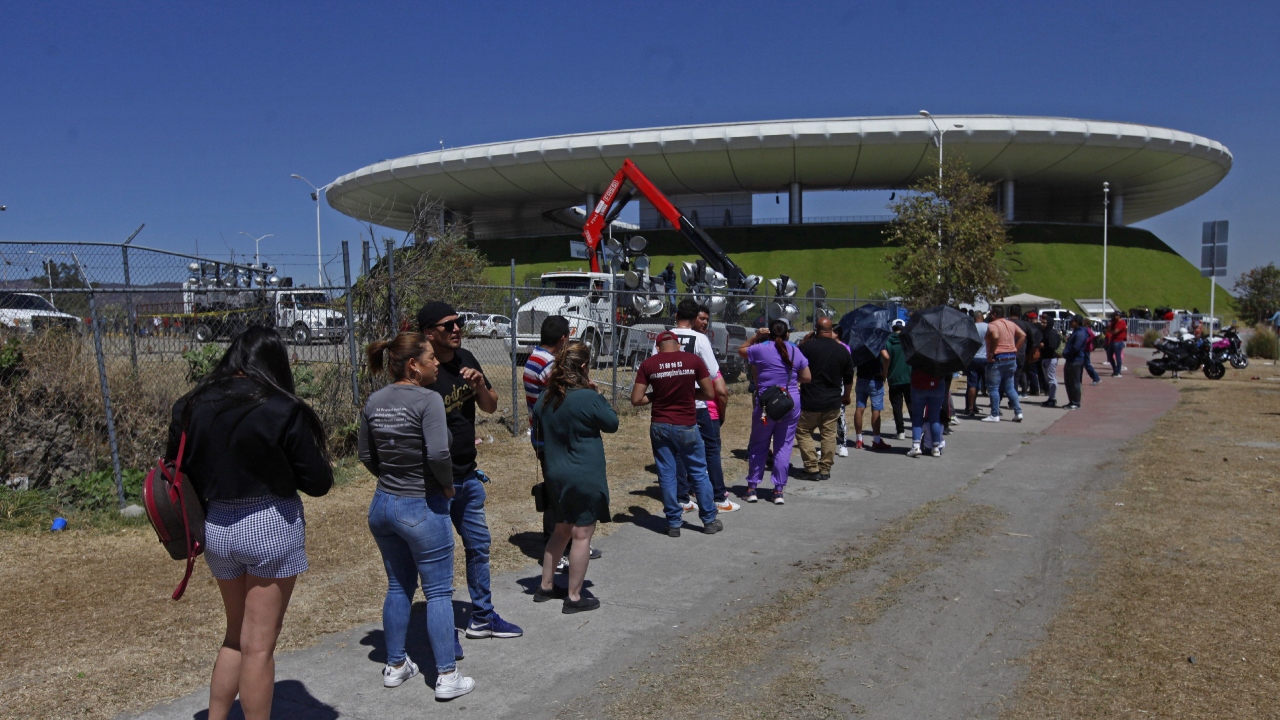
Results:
351 326
391 285
102 382
129 311
613 311
515 393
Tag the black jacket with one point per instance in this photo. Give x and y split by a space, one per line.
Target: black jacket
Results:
242 451
1050 343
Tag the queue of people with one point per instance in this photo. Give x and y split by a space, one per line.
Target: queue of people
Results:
417 437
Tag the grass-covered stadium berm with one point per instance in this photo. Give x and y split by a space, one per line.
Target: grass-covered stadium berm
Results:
1053 260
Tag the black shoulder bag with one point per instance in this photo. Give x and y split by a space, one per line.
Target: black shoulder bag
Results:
776 402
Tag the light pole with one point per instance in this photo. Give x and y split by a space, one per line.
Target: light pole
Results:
256 260
1106 201
315 195
941 132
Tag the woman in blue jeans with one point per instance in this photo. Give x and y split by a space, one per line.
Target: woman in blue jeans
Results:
928 394
404 441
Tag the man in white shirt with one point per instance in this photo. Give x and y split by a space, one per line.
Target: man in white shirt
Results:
697 343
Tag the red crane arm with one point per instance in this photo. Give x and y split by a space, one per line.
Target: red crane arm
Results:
594 227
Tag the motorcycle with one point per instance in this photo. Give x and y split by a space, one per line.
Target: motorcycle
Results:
1185 353
1229 348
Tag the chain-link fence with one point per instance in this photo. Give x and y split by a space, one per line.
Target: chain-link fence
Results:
98 341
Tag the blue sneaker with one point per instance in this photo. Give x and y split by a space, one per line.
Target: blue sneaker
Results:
457 646
496 627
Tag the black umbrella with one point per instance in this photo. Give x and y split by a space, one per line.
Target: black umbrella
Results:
865 330
940 340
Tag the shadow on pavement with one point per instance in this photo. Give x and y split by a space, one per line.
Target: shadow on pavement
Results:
292 702
641 517
530 543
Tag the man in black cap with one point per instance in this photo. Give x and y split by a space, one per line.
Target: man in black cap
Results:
462 384
668 277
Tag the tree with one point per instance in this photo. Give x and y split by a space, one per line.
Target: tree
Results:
1258 292
950 243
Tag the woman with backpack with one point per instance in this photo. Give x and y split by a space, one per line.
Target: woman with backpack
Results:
404 441
569 417
250 446
780 368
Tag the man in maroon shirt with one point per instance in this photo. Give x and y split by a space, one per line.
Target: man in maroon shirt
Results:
673 428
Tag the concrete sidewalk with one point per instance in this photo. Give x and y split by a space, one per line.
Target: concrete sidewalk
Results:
656 590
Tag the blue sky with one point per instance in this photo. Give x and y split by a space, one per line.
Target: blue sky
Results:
191 117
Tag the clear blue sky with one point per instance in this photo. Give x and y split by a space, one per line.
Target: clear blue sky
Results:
191 117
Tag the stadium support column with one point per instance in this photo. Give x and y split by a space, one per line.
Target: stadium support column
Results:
591 203
1117 212
1007 190
795 204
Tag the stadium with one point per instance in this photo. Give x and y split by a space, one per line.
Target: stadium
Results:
523 197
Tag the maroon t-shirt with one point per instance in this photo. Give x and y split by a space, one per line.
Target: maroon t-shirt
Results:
668 375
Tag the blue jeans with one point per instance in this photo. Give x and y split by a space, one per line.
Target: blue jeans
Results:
1000 379
926 407
1088 366
467 512
674 445
710 431
415 539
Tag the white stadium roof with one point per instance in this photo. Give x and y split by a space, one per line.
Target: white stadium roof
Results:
1057 165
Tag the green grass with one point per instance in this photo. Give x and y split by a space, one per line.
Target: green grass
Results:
1058 261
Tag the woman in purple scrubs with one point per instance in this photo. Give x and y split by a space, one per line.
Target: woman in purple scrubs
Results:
776 362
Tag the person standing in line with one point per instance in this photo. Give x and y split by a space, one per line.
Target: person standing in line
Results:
976 373
715 408
1088 353
673 429
553 335
928 395
1050 341
1003 339
249 446
404 442
898 378
1074 354
463 386
821 399
776 364
695 341
1031 349
1117 336
870 391
571 415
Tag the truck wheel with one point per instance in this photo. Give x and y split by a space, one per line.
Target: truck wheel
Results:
203 333
300 335
593 341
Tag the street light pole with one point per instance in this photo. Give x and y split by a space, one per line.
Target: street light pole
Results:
925 114
315 195
1106 201
256 259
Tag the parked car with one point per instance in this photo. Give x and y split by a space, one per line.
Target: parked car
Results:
28 312
493 326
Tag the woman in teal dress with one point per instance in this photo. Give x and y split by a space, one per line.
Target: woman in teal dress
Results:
570 415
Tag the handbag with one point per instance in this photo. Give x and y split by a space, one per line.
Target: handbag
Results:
174 509
776 402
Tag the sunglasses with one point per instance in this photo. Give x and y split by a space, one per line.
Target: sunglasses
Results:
449 325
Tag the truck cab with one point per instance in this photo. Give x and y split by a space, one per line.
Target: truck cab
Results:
306 315
582 298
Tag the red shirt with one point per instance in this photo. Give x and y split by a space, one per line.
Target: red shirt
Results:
1118 332
668 375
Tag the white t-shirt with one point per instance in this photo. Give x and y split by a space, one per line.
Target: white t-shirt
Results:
698 344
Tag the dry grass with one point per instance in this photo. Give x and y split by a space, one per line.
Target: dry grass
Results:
90 631
1179 620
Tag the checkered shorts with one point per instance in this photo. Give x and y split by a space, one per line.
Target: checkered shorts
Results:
263 536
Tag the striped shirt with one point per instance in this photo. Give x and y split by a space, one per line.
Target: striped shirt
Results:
536 371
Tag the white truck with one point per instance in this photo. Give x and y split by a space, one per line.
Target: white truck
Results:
300 315
583 299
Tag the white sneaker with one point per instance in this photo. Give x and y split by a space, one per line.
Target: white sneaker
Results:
1017 418
991 418
937 451
453 685
395 676
563 565
954 420
727 505
842 451
900 436
691 506
914 451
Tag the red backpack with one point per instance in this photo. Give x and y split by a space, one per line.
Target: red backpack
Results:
174 509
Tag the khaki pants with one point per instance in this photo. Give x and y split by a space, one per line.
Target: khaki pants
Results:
825 423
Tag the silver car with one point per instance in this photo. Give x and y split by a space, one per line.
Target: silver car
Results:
28 312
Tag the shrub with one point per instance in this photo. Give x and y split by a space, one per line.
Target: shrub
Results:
201 361
1151 337
1263 343
10 360
97 490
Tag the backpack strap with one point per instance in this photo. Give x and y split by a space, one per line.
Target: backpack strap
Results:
193 546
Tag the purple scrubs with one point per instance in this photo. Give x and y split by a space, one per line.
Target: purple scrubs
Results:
771 371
